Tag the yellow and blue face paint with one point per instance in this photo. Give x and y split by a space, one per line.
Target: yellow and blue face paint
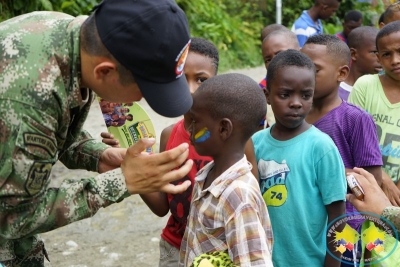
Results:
202 135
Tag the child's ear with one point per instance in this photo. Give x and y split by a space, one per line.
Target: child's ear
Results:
225 128
266 93
381 25
343 73
353 53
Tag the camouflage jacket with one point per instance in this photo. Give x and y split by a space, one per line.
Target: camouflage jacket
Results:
392 214
41 118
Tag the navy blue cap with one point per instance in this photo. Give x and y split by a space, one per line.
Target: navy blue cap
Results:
150 38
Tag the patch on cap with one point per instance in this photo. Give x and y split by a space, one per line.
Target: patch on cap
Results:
180 59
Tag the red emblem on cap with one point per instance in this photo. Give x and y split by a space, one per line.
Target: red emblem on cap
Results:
180 59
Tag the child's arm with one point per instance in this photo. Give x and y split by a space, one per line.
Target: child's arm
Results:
158 202
251 157
390 189
334 210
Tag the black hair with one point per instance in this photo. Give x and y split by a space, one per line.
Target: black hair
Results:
358 36
271 28
291 36
206 48
91 43
390 10
353 15
388 29
381 18
236 97
336 48
326 2
288 58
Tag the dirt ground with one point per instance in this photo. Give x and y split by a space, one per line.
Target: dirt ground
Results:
126 234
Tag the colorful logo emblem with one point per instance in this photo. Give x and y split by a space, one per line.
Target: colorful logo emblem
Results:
374 235
181 59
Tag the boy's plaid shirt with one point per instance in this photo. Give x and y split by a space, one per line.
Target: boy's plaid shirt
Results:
229 215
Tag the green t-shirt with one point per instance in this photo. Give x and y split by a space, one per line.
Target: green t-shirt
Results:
369 95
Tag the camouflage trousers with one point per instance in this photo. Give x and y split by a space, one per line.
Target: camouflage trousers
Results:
26 252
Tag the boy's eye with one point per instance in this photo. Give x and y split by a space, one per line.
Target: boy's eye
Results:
284 95
373 52
267 60
307 96
201 79
317 70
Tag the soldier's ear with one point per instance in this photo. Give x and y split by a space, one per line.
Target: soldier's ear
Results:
103 70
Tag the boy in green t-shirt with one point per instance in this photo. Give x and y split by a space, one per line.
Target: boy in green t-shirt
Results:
380 96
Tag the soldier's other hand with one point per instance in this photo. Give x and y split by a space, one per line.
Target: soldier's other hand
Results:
109 139
145 173
375 199
111 159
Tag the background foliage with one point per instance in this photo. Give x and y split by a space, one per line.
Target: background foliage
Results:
232 25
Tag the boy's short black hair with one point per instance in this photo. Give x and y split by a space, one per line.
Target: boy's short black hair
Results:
390 10
206 48
236 97
288 58
335 48
381 18
357 36
289 34
271 28
353 15
388 29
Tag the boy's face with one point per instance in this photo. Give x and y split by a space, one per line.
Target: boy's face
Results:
326 69
389 54
274 45
349 26
329 9
291 95
364 57
198 68
204 129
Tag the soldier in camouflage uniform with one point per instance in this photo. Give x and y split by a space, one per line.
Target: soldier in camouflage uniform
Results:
47 65
375 201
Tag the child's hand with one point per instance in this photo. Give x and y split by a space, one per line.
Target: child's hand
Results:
109 139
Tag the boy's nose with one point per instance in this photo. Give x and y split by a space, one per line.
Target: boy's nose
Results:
295 103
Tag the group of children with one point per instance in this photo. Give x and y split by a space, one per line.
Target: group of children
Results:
264 198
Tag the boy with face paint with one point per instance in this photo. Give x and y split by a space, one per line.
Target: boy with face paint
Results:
227 212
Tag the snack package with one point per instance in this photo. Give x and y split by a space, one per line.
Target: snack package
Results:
355 187
128 122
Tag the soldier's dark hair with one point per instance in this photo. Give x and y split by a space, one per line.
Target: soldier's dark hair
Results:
358 36
353 15
336 48
389 12
270 28
206 48
236 97
285 59
388 29
290 36
91 43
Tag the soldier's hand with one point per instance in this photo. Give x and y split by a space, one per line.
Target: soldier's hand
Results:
146 173
109 139
111 159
